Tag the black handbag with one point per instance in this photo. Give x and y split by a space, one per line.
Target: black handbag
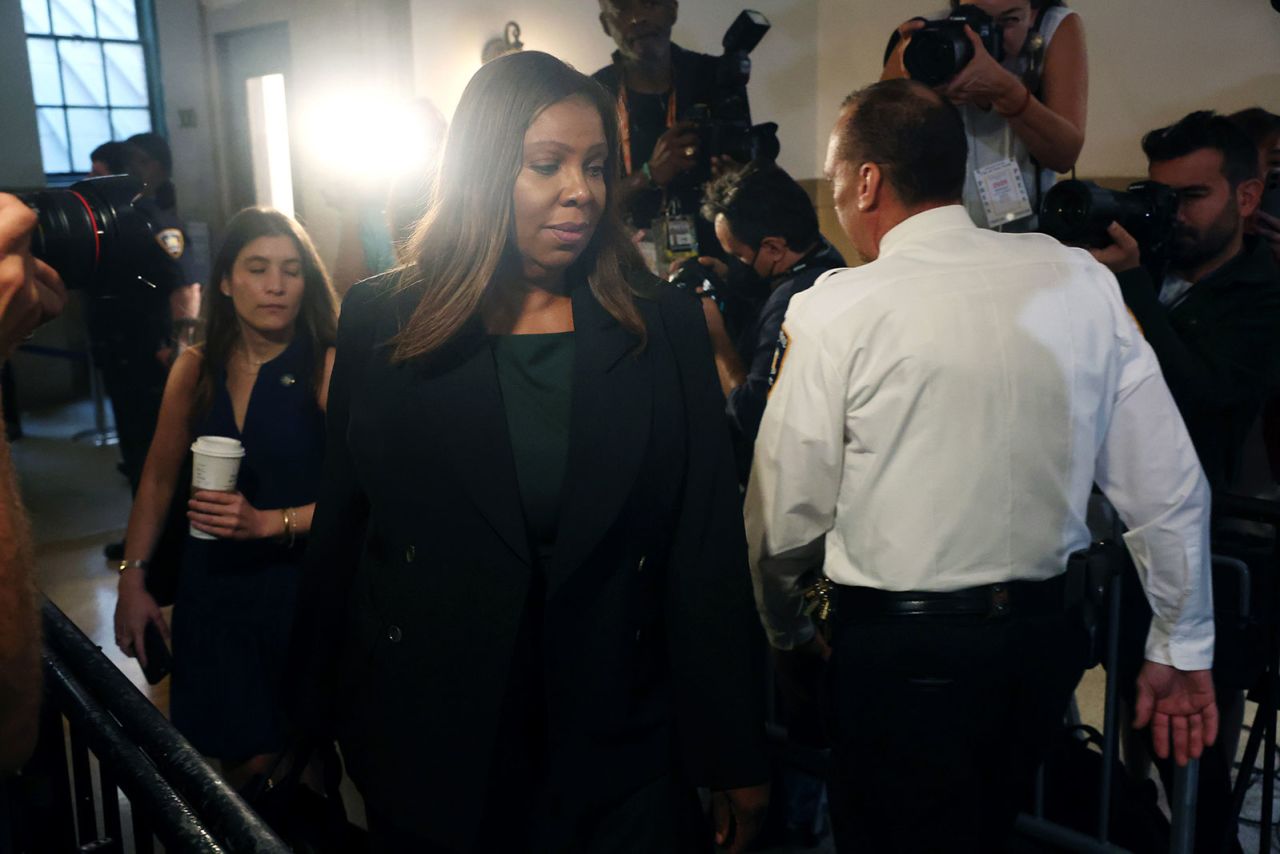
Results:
306 820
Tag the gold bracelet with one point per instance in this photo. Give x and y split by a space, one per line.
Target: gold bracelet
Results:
290 535
121 565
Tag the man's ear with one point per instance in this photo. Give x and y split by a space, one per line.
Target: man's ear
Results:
1249 196
776 245
604 25
869 186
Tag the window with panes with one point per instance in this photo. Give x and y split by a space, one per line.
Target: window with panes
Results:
89 75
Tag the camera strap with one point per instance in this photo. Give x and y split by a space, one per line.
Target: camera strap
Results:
624 121
1034 49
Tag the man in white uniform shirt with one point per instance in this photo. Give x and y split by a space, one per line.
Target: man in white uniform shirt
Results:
938 418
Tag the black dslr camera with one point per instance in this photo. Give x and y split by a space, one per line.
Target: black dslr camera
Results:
940 49
699 280
92 231
1078 213
725 126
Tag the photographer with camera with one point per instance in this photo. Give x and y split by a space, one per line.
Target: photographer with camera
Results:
763 218
1208 300
675 107
1212 314
30 294
1018 71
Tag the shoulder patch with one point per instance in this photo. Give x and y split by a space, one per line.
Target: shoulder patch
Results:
171 240
779 354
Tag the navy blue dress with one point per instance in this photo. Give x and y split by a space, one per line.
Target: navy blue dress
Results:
235 602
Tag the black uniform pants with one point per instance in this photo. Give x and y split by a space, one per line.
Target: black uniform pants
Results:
939 723
134 380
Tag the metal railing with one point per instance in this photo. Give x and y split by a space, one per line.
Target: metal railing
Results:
91 709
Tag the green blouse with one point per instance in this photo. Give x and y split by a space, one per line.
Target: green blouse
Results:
535 373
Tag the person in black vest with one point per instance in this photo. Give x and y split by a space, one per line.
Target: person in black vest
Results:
526 613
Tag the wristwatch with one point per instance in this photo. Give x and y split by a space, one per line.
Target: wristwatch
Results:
121 565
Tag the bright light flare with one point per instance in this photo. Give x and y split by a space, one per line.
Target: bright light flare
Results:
371 138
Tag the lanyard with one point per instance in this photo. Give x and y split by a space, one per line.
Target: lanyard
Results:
624 122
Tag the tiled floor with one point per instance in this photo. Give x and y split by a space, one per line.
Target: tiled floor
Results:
78 503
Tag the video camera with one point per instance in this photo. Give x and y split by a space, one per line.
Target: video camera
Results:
725 125
92 230
940 49
1078 213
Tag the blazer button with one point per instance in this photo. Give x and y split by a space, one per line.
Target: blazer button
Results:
410 553
640 566
394 634
638 633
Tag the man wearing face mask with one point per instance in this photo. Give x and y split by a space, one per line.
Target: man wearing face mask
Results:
656 84
763 218
1024 117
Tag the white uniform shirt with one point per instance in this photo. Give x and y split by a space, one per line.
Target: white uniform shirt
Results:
940 416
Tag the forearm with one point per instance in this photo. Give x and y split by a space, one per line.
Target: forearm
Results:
298 522
1052 140
20 691
184 302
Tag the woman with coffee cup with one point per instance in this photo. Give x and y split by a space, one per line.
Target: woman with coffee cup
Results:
249 402
526 613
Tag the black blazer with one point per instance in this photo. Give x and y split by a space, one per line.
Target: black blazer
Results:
419 565
1219 351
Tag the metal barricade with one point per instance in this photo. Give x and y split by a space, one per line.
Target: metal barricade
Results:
173 795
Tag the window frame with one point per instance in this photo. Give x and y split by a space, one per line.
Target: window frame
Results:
147 39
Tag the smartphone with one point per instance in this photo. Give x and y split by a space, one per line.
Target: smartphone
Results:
159 659
1271 195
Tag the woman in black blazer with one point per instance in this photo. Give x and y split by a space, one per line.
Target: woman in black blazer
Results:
527 613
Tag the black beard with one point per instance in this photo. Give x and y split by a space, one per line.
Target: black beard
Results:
1191 250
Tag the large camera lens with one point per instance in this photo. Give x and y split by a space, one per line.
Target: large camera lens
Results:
936 54
1078 213
91 229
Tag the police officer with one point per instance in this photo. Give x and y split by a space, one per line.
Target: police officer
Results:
936 423
137 320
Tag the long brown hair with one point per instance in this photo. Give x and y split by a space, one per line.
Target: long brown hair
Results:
466 236
317 319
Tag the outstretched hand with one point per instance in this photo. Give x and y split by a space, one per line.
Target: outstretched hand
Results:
1177 703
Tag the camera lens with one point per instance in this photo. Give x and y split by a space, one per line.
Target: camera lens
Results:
91 229
935 55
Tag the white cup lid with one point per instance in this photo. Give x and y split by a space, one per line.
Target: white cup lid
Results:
218 446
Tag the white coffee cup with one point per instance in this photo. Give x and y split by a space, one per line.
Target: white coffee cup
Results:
215 465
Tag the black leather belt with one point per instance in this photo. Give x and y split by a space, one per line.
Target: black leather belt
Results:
1020 598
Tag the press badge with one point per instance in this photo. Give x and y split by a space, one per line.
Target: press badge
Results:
1003 193
682 236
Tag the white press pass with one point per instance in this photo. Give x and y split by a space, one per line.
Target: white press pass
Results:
1003 192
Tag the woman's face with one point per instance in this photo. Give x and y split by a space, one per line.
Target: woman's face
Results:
1015 16
559 195
266 285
